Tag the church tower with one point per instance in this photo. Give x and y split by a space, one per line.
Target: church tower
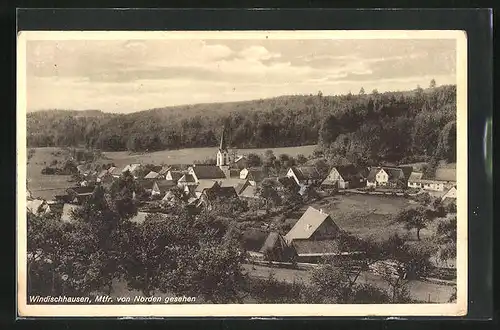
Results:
223 160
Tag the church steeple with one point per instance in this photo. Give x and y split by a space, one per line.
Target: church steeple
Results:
223 153
223 144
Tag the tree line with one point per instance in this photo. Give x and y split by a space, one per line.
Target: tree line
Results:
364 127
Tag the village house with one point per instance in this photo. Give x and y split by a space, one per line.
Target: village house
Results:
305 175
249 193
391 177
114 172
240 162
152 175
38 207
276 249
254 175
104 176
203 185
174 175
171 198
287 184
79 195
416 181
236 183
187 180
132 168
450 194
344 177
216 194
314 236
201 172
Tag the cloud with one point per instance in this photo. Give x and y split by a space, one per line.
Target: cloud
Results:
140 74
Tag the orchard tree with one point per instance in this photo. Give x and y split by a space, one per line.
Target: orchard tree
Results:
268 194
253 160
414 218
432 83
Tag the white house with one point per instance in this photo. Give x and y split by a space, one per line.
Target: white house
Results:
451 193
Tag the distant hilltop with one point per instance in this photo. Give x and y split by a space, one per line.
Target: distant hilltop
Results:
392 126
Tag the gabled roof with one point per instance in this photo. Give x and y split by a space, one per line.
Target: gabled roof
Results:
151 175
288 183
208 172
273 241
394 173
415 176
256 174
165 169
239 158
35 205
306 173
67 212
349 172
205 184
249 192
170 197
188 178
165 185
176 175
220 192
372 174
307 224
131 167
407 170
233 182
316 248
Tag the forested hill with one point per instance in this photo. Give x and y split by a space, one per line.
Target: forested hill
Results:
389 126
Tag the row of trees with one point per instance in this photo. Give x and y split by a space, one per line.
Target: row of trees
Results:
364 128
177 253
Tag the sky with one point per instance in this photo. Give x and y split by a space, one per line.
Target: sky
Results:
125 76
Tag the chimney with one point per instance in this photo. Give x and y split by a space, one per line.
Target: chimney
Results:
321 211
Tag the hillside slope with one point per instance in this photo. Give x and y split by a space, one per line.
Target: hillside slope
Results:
413 121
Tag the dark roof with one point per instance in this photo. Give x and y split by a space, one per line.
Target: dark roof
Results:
395 173
165 185
187 178
372 174
176 175
205 184
406 171
350 172
307 247
234 173
208 172
253 238
288 183
306 173
145 183
274 240
220 192
256 174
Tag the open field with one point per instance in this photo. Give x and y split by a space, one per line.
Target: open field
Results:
362 215
188 156
45 186
419 290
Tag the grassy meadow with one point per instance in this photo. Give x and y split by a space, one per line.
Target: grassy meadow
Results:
190 155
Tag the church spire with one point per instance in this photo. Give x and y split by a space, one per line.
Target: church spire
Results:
223 145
